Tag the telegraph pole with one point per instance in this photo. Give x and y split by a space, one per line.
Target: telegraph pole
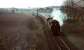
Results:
37 11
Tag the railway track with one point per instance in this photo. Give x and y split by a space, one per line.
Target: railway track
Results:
62 44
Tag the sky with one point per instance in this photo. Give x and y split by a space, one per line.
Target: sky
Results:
29 3
57 14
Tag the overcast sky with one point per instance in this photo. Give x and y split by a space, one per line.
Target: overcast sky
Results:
29 3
